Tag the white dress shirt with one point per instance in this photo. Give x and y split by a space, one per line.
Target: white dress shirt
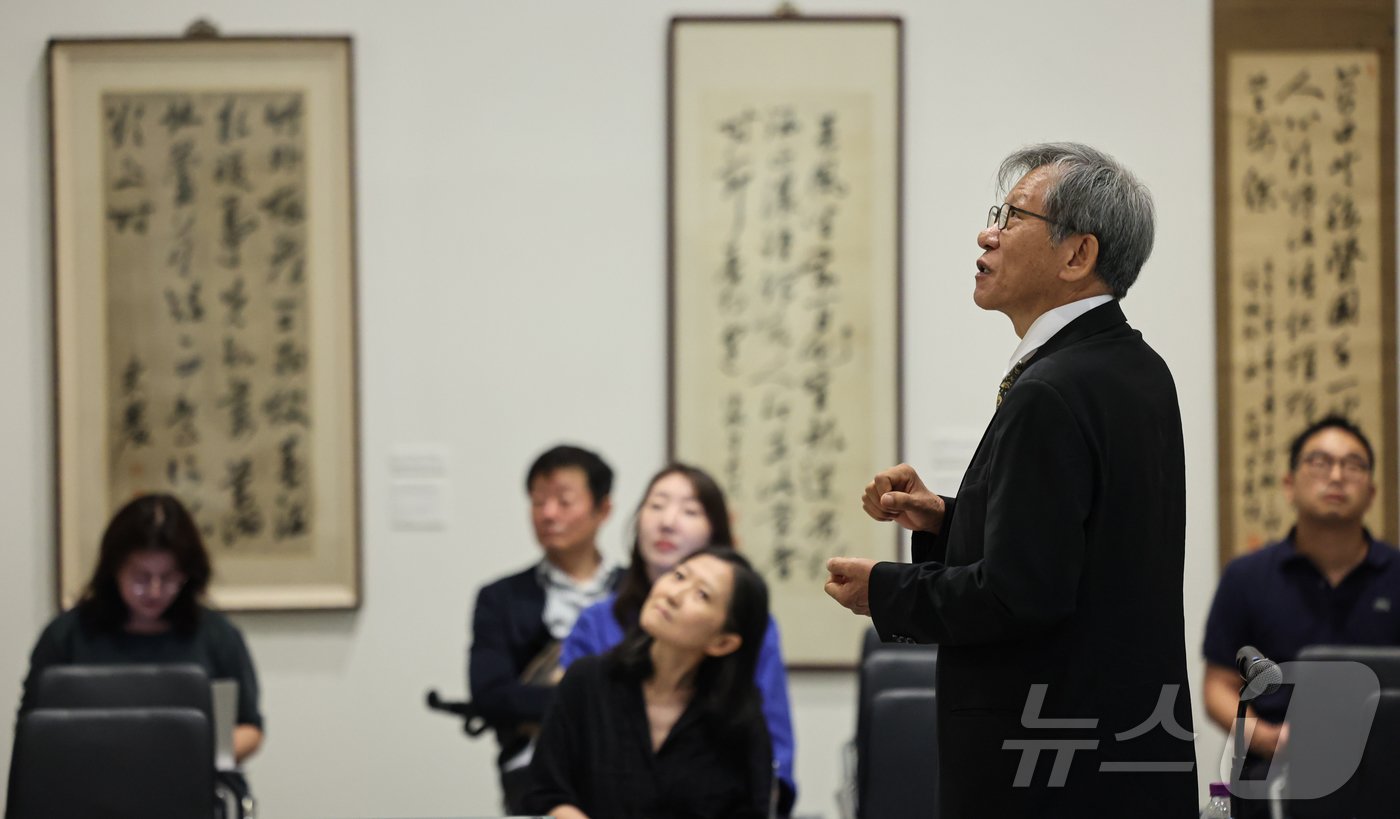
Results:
1048 324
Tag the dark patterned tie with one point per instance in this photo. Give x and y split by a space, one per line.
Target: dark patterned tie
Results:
1009 380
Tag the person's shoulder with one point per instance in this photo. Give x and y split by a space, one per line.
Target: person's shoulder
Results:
770 652
1086 358
1249 570
598 612
1259 559
62 627
585 673
512 584
217 626
1390 557
592 665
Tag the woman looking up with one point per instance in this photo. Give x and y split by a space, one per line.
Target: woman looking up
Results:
683 511
666 725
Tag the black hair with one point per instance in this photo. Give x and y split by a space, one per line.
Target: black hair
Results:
1334 421
595 469
158 523
635 584
724 686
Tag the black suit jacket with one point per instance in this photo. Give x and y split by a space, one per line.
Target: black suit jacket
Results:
1058 568
508 631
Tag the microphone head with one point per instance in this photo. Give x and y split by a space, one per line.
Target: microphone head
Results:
1245 657
1261 675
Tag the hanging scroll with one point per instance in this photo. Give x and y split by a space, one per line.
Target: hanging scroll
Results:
203 290
1307 277
785 145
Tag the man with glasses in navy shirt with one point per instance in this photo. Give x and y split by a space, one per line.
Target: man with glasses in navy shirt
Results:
1327 582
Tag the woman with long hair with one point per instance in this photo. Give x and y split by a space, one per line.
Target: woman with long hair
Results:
667 724
144 605
683 511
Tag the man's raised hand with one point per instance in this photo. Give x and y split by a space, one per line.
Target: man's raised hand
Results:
899 495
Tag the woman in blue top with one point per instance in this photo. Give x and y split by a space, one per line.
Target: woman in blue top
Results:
682 512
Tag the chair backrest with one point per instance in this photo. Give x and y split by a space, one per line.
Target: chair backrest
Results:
872 643
895 666
902 777
890 666
1373 790
1384 660
1378 790
179 685
99 762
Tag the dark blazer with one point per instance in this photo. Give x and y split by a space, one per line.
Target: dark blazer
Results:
508 631
1060 565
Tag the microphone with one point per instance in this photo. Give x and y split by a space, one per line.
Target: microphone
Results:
1261 675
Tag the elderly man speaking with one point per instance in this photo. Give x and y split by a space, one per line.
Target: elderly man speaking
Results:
1053 582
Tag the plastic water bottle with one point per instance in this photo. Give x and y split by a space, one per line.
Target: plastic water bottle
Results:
1219 805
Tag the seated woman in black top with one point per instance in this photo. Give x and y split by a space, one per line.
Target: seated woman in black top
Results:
668 724
142 606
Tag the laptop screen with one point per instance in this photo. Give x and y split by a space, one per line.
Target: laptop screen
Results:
225 712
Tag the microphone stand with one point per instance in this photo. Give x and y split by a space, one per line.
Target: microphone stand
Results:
1241 748
1261 676
1248 692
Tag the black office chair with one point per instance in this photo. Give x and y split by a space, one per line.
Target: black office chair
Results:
178 685
1384 660
183 685
1374 789
902 774
117 762
886 666
872 643
473 723
1377 786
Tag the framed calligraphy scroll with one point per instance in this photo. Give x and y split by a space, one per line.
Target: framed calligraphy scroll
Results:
1305 248
784 293
204 297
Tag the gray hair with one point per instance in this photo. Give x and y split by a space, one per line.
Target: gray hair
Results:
1089 192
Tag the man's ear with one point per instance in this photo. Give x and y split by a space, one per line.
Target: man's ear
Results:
604 509
1288 488
1083 258
723 644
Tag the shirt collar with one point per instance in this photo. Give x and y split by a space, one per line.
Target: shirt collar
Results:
550 575
1049 323
1378 554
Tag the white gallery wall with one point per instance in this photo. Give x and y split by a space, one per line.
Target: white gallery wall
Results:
511 234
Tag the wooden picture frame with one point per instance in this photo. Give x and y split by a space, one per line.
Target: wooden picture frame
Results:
1305 248
784 236
202 200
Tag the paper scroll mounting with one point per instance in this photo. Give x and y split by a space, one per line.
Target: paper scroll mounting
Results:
204 305
1305 248
785 149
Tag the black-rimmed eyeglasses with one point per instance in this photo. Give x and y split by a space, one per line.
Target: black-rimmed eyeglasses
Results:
1000 213
1320 464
